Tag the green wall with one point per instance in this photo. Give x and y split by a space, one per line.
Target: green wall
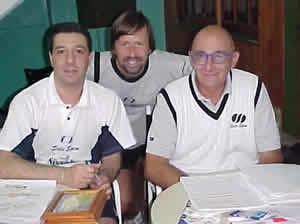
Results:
21 44
22 37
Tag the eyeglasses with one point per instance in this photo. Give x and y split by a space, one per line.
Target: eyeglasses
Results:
217 57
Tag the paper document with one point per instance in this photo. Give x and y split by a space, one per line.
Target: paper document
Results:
221 192
24 201
279 182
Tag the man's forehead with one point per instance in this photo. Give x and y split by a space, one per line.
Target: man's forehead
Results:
209 41
140 32
70 39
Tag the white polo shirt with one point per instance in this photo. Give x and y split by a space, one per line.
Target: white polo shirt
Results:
197 137
59 134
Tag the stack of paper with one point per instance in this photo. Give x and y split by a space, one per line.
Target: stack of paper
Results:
278 182
252 187
222 192
24 201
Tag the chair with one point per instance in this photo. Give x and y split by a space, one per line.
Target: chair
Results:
153 192
2 118
116 192
34 75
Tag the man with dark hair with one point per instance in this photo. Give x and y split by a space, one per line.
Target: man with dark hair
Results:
136 71
61 127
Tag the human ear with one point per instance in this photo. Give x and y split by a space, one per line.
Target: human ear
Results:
235 58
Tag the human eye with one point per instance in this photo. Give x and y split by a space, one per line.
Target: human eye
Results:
80 51
199 57
124 44
139 44
219 57
59 51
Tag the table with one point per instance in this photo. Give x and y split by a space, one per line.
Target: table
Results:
169 205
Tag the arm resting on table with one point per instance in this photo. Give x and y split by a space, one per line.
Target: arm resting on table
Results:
273 156
159 171
12 166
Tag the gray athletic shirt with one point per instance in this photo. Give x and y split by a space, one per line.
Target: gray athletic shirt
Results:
162 68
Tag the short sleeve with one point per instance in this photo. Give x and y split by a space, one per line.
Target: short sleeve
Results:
162 135
266 130
19 123
119 124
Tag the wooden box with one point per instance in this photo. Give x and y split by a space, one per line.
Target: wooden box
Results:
75 206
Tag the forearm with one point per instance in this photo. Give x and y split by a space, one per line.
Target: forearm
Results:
14 167
111 166
160 172
274 156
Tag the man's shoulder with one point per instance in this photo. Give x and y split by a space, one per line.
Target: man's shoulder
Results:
33 96
36 90
104 54
97 89
243 75
167 56
177 84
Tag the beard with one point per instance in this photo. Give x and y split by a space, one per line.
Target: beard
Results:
132 71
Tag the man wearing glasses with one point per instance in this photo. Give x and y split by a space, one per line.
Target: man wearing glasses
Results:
217 118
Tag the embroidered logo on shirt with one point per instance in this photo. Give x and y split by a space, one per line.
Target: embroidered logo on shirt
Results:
62 152
128 100
238 120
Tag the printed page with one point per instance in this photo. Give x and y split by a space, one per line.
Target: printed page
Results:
279 182
24 201
221 192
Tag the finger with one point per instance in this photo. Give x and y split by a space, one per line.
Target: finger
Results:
95 165
105 187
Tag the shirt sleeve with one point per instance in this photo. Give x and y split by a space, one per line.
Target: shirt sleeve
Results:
266 130
162 135
18 125
180 66
119 124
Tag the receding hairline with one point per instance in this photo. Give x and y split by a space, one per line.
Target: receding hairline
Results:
215 30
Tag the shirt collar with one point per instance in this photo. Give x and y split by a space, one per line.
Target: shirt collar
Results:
55 99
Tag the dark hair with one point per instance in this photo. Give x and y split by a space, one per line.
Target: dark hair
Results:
128 23
67 27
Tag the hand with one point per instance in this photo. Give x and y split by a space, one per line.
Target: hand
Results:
101 182
80 175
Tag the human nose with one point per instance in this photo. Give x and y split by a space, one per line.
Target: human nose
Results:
209 63
70 58
132 51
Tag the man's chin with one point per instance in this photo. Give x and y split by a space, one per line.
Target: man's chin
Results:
132 73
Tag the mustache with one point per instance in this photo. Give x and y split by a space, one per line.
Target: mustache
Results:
139 59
